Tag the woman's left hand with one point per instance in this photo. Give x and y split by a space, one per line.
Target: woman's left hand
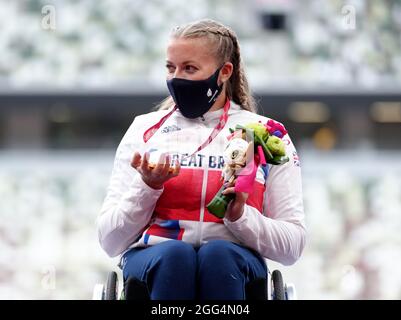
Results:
235 208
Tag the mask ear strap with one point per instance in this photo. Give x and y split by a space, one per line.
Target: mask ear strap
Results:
219 69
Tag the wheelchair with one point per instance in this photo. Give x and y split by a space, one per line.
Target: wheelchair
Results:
260 289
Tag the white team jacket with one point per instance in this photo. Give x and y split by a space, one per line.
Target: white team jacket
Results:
133 214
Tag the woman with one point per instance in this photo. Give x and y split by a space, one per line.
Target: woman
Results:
156 217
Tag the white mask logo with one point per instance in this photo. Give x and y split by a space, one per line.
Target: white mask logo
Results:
209 93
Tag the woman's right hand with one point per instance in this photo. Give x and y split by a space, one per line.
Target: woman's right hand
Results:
156 177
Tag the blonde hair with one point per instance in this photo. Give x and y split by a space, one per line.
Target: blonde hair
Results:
226 48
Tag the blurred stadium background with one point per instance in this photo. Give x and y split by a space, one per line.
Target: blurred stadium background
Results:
73 75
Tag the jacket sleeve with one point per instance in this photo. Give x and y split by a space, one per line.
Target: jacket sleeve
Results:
279 233
129 202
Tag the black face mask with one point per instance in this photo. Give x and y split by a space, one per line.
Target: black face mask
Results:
195 97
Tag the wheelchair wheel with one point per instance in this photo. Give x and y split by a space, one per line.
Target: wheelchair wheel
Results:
110 291
278 285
